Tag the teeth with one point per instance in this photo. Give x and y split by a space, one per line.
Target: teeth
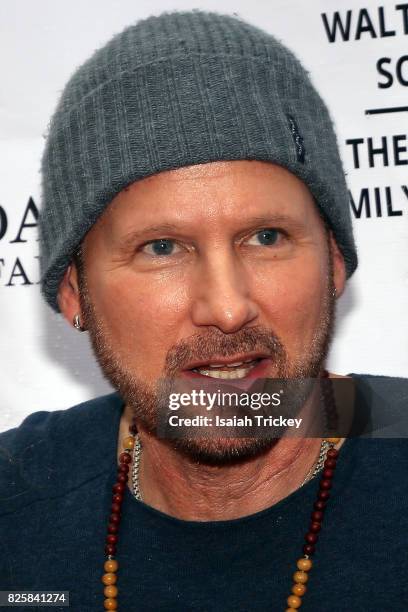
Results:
224 374
226 365
231 365
220 370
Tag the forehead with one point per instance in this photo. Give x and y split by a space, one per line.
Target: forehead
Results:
226 192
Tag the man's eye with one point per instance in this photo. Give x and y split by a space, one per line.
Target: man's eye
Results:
266 237
163 246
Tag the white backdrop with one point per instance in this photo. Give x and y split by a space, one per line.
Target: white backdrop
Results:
358 60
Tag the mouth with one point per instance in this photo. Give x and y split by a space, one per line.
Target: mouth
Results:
243 367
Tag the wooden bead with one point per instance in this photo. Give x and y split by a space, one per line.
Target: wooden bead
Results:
308 549
133 429
110 591
301 577
111 565
128 442
109 578
297 589
115 518
111 539
290 610
311 538
304 564
110 604
294 601
125 458
325 484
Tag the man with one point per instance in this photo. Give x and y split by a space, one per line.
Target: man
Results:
195 223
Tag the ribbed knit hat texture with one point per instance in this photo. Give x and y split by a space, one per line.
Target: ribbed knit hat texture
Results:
173 90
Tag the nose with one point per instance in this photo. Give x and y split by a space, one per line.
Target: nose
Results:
222 298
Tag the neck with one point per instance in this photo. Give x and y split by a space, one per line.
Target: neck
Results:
182 488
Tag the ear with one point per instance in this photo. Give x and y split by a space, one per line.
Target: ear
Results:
339 266
68 294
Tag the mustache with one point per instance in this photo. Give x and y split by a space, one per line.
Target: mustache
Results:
215 342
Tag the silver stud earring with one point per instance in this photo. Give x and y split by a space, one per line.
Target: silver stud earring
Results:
77 323
334 292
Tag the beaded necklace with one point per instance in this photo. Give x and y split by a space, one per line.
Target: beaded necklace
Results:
131 452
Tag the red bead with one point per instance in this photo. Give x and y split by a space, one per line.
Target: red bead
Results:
112 528
115 507
317 516
319 505
330 464
125 458
122 478
332 453
325 484
123 468
117 498
328 473
119 487
315 527
311 538
110 549
309 549
111 539
323 495
114 518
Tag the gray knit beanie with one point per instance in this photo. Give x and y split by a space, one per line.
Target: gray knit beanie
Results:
174 90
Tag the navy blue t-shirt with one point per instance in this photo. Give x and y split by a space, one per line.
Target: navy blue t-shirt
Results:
56 474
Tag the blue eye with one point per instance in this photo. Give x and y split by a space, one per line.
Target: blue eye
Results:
163 246
267 237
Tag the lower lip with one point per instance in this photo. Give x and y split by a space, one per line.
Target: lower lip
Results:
258 371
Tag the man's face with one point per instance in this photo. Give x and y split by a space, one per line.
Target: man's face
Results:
216 263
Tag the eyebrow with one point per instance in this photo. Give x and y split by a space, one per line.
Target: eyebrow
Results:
163 228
